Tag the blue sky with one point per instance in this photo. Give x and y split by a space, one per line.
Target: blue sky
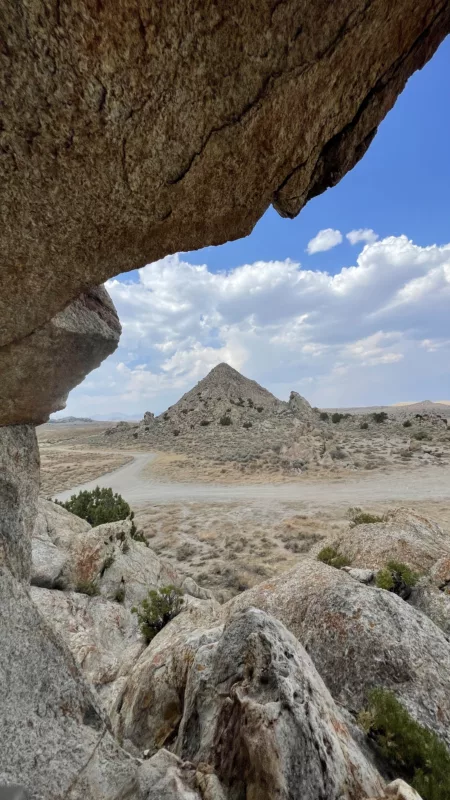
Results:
367 347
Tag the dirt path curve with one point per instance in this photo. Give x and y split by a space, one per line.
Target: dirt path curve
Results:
430 483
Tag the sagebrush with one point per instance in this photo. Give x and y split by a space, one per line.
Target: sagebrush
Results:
328 555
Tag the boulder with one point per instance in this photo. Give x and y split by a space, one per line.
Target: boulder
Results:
19 486
129 133
149 709
361 575
300 407
103 637
440 572
359 637
404 536
259 715
39 370
69 554
54 737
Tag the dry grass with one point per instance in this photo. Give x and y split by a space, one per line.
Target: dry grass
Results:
61 469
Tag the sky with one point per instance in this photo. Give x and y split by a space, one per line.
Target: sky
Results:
347 304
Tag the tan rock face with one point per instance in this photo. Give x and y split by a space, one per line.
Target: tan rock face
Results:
39 370
132 130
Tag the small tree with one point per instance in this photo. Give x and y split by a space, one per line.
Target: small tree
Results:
157 609
409 749
407 423
225 420
324 416
336 417
98 506
398 578
379 416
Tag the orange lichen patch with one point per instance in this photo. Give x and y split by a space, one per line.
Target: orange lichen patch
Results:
88 562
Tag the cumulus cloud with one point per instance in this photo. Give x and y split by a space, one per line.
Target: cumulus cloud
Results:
365 335
324 240
366 235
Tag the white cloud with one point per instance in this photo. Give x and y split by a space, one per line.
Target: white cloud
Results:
370 333
324 240
366 235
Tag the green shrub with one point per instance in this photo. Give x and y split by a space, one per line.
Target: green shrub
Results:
108 562
379 416
98 506
324 416
330 556
364 426
247 425
259 409
225 420
407 423
410 750
359 517
398 578
204 422
336 417
421 436
157 609
88 587
176 433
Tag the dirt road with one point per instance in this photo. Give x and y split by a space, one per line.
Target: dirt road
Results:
428 484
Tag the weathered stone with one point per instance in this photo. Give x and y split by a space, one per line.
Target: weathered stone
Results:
165 777
103 637
106 556
257 712
54 738
398 790
434 603
359 637
361 575
19 486
440 572
150 707
300 406
404 536
39 370
130 132
149 417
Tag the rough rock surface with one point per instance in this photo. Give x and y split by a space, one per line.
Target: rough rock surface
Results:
130 131
405 536
54 739
102 636
359 637
19 486
257 712
39 371
434 603
150 706
68 554
166 777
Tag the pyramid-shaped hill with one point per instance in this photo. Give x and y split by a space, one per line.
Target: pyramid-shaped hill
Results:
223 393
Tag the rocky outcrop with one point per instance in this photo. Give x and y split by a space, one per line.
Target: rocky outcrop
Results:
359 637
149 417
403 536
257 712
102 636
149 709
69 554
39 370
54 737
129 134
19 486
249 712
